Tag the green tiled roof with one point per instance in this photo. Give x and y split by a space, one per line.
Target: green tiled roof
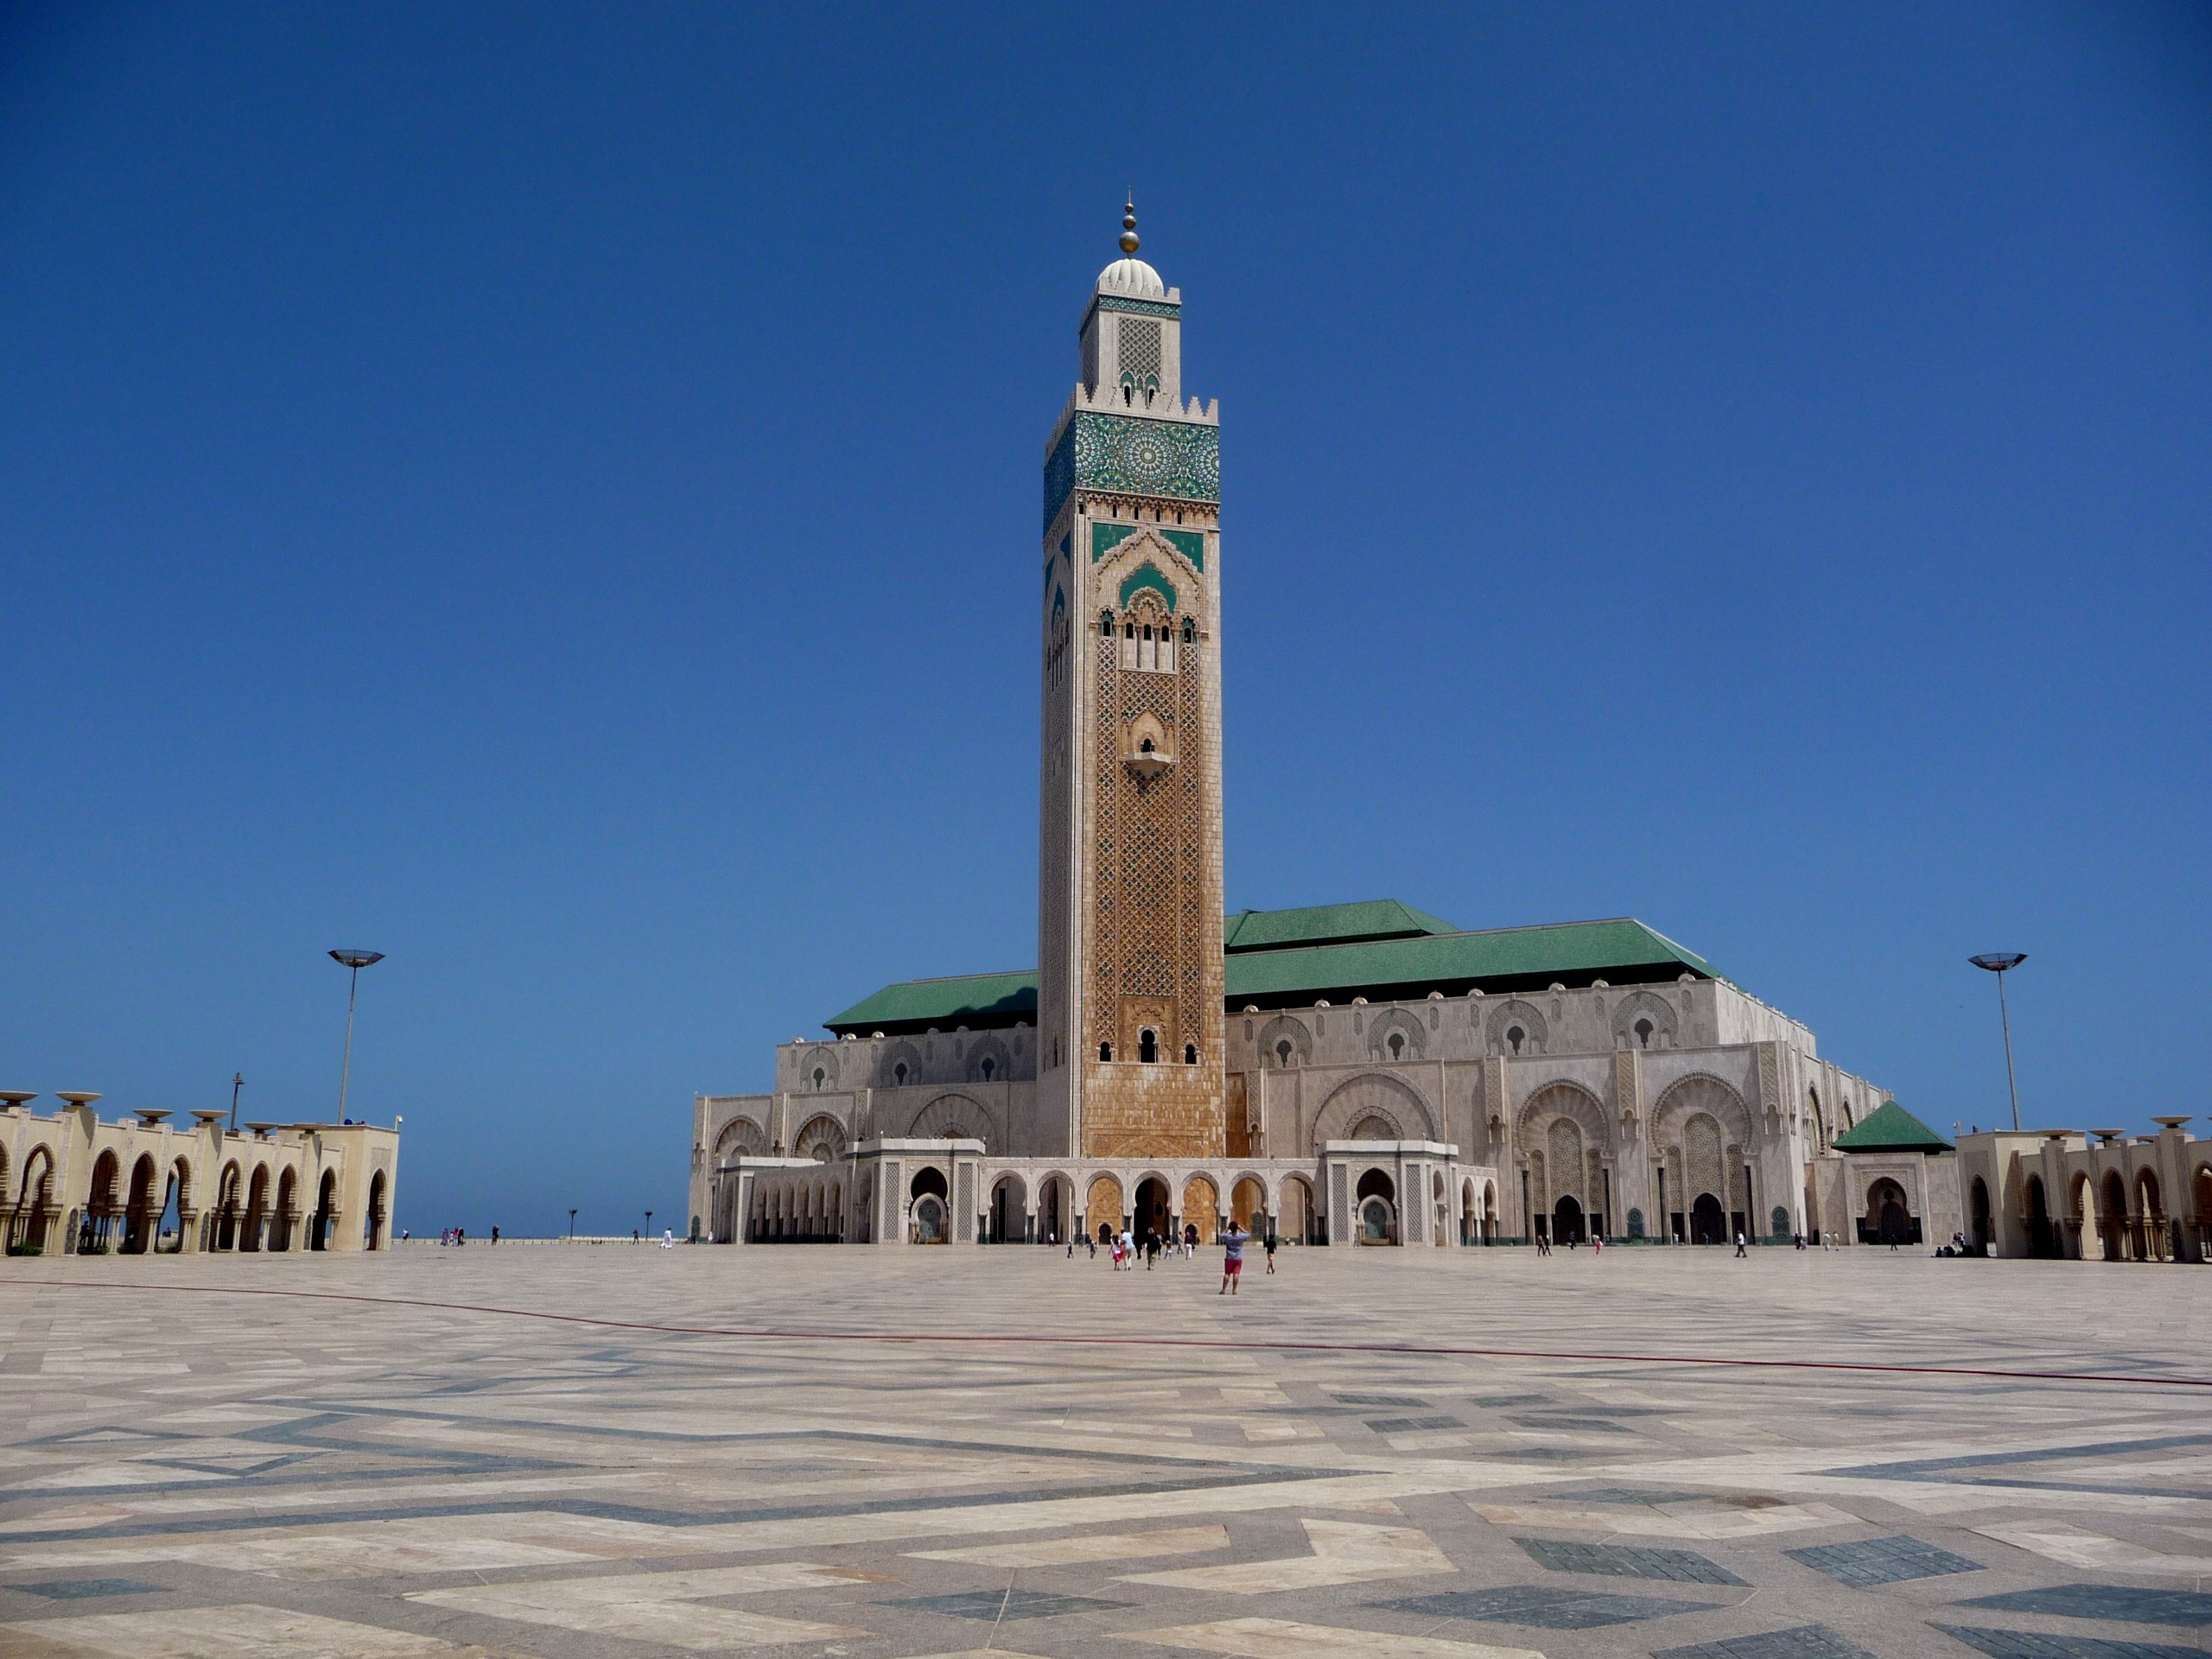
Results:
1505 958
1284 973
978 999
1890 1127
1277 930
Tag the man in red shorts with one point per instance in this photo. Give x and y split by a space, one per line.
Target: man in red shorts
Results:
1232 1260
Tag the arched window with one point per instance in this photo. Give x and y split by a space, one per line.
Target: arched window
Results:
1644 1033
1190 1053
1514 1037
1148 1047
990 1065
898 1074
818 1075
1105 624
1190 632
1282 1054
1397 1044
1105 1050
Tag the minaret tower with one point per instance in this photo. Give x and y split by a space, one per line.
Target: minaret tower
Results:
1130 1003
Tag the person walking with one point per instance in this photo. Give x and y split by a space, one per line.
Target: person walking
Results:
1272 1241
1232 1259
1190 1240
1739 1246
495 1232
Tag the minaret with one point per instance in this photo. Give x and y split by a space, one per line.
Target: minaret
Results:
1130 1003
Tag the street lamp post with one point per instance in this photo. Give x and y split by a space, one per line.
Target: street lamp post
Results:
2002 963
649 1223
572 1224
354 961
238 1082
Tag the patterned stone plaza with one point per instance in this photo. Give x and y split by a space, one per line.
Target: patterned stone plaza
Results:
705 1451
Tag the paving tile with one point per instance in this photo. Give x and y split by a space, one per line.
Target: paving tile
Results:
1802 1641
1405 1425
992 1605
1626 1561
1881 1560
1543 1607
2034 1645
86 1589
528 1484
1278 1638
2117 1601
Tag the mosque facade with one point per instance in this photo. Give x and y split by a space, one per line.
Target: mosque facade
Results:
1346 1074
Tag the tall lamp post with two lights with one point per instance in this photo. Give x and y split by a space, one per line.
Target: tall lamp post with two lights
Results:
2002 963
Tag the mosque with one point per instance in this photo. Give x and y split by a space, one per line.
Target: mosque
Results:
1343 1074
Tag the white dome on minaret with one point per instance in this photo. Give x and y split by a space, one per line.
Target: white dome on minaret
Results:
1130 275
1133 278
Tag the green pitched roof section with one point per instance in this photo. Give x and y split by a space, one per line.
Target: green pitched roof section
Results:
1890 1127
1375 919
1148 575
980 1001
1191 543
1104 539
1290 958
1623 952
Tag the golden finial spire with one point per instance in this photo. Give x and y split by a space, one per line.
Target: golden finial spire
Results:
1130 225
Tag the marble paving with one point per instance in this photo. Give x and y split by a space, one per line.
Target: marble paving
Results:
638 1453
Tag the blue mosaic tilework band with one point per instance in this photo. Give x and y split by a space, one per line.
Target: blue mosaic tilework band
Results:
1126 455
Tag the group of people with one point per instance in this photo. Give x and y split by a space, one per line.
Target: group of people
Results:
1124 1248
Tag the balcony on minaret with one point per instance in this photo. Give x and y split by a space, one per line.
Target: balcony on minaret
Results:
1147 750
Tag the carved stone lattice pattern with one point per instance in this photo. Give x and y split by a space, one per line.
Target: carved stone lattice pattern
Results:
1701 1157
1150 850
1563 1150
1140 342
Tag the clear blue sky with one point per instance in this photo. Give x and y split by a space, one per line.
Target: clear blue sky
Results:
552 495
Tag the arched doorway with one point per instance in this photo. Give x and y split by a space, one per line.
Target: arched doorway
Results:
1889 1218
2113 1226
1980 1206
223 1225
1010 1214
2150 1219
287 1217
326 1212
101 1206
1201 1207
2204 1184
1247 1204
2041 1243
1566 1221
2081 1216
1376 1209
141 1214
932 1207
257 1208
1055 1213
1469 1225
375 1232
1103 1212
1295 1218
30 1225
1708 1222
1152 1209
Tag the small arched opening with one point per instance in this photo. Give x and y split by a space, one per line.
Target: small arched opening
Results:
1979 1205
930 1207
1155 1212
1376 1208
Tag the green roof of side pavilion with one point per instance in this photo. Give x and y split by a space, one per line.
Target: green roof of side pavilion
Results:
1285 958
1890 1127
